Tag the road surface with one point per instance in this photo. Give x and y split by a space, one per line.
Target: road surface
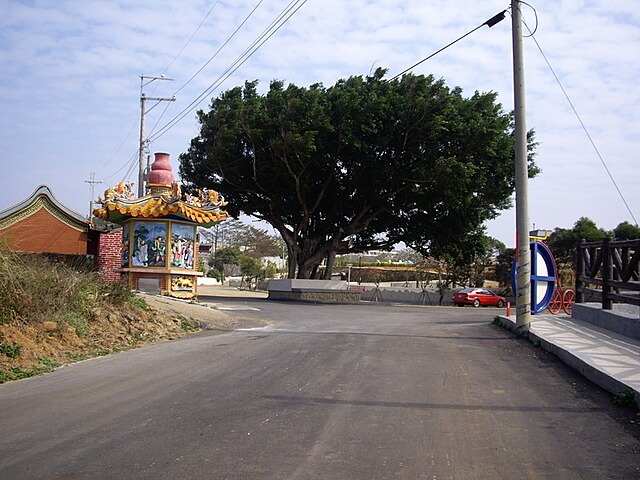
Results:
362 391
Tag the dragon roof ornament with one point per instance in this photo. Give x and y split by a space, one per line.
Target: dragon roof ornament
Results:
164 199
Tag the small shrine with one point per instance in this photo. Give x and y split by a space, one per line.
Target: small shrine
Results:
159 251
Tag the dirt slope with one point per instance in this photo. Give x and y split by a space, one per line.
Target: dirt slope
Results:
28 349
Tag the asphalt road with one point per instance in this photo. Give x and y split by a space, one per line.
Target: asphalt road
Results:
324 392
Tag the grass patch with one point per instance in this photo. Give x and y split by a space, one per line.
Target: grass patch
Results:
625 399
55 312
139 303
75 357
188 325
11 351
18 373
47 362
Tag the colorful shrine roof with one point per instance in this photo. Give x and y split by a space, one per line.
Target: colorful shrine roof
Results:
164 199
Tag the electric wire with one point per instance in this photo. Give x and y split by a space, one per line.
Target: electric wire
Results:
126 137
488 23
207 62
280 21
130 163
586 130
248 52
275 25
191 37
135 122
166 107
221 47
535 13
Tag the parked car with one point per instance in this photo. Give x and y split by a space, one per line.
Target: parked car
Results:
478 297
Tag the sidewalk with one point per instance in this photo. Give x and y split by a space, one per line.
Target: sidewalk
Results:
608 359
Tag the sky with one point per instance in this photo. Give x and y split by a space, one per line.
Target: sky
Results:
70 84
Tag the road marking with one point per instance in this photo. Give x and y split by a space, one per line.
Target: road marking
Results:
239 308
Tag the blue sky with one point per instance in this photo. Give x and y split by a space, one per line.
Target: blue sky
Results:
70 83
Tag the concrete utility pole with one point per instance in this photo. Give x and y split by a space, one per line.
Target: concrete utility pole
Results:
92 181
523 273
143 112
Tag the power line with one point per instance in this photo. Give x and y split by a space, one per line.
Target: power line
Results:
192 35
490 23
284 16
135 122
221 47
176 57
586 131
207 62
92 182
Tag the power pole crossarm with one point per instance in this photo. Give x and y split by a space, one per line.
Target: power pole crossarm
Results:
92 181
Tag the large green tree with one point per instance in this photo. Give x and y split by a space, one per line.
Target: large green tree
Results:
360 165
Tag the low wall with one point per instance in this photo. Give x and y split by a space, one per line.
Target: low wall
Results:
623 319
317 291
405 295
316 296
289 284
366 292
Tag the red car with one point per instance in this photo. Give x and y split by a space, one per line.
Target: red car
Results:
478 297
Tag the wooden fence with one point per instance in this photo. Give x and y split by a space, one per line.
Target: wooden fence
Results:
608 270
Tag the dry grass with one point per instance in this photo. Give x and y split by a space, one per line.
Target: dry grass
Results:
52 313
36 288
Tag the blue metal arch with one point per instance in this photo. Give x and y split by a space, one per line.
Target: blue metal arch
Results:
538 249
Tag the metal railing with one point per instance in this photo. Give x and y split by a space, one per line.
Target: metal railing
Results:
608 270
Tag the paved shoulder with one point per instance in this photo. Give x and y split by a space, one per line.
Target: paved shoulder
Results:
207 315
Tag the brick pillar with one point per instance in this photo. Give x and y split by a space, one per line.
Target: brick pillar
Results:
108 258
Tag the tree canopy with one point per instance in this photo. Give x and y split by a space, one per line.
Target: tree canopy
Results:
254 242
626 231
563 241
361 165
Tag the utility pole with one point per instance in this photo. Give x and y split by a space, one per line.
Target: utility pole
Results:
92 181
523 273
143 112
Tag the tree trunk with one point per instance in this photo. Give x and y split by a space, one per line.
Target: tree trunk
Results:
292 261
304 270
331 260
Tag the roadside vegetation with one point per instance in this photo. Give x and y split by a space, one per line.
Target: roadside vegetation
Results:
55 311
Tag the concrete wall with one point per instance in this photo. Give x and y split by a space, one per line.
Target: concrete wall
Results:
316 296
289 284
623 319
405 295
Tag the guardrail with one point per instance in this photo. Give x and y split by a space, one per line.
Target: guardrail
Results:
608 269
